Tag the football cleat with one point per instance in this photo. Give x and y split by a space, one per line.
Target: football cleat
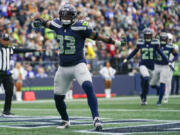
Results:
143 100
158 103
97 124
144 103
6 114
64 124
165 100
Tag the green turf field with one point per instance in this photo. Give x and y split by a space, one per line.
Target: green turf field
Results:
120 115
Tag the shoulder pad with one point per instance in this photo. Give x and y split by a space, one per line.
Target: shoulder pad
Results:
155 42
169 46
56 22
80 25
140 42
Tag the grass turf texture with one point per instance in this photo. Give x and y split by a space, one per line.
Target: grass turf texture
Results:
118 108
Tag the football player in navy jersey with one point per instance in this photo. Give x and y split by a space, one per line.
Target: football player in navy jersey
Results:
71 35
148 47
162 71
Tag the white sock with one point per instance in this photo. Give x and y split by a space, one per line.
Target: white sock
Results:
108 93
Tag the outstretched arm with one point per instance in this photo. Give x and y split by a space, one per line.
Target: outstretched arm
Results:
132 53
95 36
23 50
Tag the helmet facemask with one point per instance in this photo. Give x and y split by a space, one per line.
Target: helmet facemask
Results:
163 39
67 14
148 35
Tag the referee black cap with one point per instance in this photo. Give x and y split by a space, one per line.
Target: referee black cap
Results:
4 36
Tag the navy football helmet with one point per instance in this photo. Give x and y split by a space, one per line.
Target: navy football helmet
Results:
148 34
163 38
67 14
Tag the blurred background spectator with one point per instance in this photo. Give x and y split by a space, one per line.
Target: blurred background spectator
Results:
109 17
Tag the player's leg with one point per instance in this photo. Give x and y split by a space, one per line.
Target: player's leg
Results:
69 92
163 80
62 82
168 87
83 77
154 82
145 77
8 87
173 83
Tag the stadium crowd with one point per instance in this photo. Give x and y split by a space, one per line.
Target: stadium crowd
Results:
109 17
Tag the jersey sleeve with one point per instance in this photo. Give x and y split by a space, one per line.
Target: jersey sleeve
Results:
139 43
54 24
83 29
156 43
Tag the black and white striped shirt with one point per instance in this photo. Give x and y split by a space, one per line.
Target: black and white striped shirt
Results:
5 55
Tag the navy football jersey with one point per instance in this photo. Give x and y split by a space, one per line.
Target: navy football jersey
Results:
71 41
167 50
148 52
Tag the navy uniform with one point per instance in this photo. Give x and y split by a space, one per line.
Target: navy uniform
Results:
148 48
71 35
162 71
72 62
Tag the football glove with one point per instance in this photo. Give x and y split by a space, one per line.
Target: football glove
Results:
38 23
121 64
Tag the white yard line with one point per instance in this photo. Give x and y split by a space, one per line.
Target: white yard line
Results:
84 99
103 110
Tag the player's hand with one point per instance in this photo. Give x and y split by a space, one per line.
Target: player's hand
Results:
121 64
38 22
171 67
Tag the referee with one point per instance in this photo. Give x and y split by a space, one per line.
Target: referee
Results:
5 74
